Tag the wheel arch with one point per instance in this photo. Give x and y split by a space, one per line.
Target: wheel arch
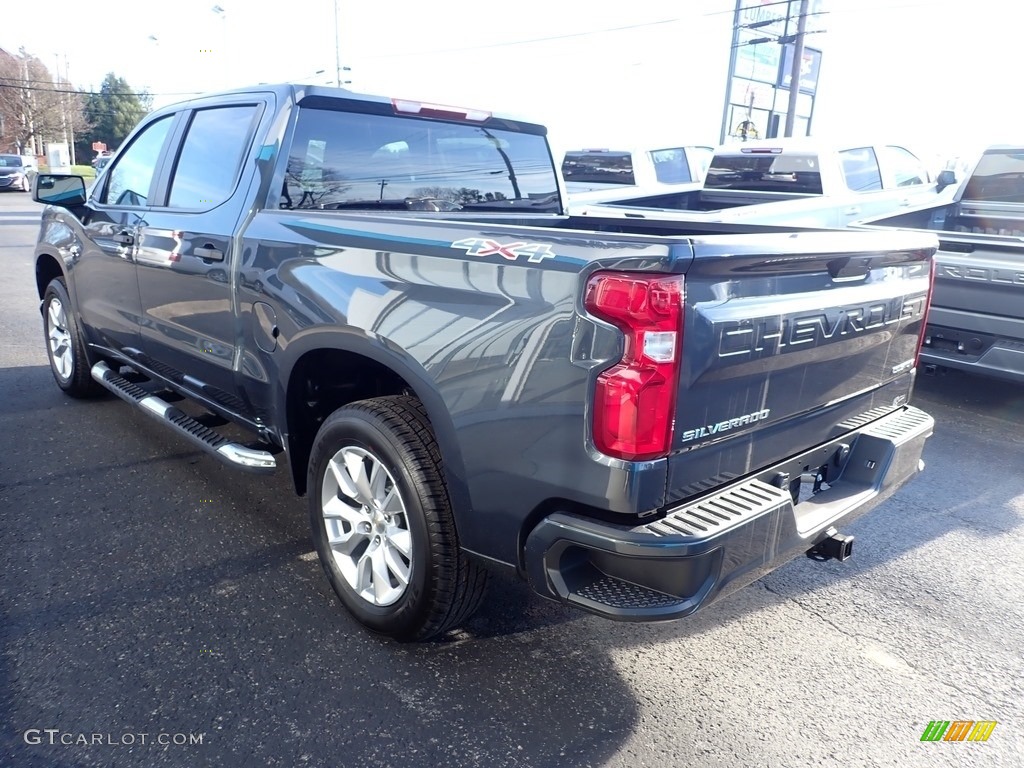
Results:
380 369
48 267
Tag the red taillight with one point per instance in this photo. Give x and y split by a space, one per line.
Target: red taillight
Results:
635 401
927 306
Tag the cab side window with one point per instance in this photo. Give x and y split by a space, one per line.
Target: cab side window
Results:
132 173
904 168
211 156
860 169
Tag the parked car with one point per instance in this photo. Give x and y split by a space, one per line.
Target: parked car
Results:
17 172
791 182
102 161
977 318
634 417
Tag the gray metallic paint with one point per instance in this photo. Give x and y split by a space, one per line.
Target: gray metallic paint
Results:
502 354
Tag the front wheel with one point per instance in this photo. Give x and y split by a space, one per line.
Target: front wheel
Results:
69 362
383 524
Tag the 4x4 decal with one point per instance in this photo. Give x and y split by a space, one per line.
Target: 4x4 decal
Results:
478 246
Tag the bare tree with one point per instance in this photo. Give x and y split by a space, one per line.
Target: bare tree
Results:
34 108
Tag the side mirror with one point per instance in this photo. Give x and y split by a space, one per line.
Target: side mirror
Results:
59 189
947 178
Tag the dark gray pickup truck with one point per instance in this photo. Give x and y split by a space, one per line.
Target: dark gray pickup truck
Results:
977 318
636 417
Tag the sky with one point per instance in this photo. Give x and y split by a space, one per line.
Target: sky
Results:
937 76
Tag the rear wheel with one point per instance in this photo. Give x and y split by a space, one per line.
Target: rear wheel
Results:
68 359
382 521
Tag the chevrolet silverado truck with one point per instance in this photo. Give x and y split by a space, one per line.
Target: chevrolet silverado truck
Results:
789 182
597 175
386 296
977 320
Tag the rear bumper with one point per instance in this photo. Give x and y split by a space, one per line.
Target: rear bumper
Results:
971 342
671 567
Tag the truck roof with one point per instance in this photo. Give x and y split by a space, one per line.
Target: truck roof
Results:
300 91
794 144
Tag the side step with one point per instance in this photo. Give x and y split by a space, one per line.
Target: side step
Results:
233 454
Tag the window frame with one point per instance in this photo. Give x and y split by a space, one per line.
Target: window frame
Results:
295 134
187 120
98 194
843 153
889 164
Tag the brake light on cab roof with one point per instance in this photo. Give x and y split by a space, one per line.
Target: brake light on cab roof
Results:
762 150
423 109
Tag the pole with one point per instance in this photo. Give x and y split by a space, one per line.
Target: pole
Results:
63 104
795 69
770 133
71 111
732 70
337 54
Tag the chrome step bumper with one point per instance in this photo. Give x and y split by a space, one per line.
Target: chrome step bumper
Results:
701 550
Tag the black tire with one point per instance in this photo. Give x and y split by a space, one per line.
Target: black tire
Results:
444 586
72 375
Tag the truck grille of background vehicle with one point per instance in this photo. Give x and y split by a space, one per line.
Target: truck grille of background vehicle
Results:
720 510
238 456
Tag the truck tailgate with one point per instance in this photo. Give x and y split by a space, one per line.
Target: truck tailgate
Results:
789 340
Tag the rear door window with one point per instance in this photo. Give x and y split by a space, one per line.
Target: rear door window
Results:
211 156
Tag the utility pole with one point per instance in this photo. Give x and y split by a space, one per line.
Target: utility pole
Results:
29 107
729 73
337 55
71 110
60 97
797 67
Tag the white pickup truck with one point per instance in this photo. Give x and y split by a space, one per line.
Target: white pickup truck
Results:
795 182
598 175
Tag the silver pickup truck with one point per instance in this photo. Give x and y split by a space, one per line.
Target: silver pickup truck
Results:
787 182
977 316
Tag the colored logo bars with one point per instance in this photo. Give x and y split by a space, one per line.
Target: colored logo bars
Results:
958 730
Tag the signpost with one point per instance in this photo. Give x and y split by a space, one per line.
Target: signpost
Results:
766 36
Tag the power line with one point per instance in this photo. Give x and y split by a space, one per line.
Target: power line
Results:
528 41
37 89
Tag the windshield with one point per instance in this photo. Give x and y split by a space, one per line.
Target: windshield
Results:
10 161
346 160
774 172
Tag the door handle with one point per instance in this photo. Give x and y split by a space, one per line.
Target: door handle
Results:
904 203
124 238
853 210
208 253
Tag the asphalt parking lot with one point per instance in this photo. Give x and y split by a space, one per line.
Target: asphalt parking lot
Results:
174 608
